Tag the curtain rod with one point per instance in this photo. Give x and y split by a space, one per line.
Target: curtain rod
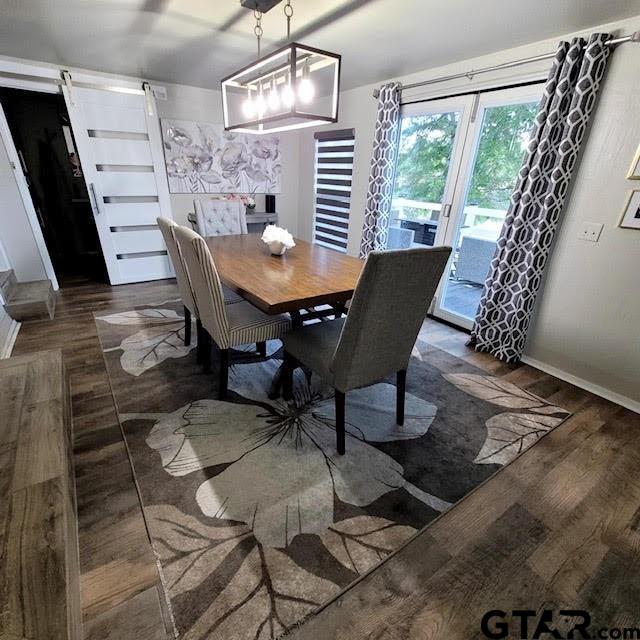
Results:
634 37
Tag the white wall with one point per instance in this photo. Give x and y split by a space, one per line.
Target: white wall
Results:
203 105
589 310
15 231
588 320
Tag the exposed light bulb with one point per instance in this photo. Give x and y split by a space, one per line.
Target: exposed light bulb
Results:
249 107
261 104
306 90
273 100
287 95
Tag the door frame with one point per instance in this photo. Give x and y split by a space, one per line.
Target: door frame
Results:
483 101
25 195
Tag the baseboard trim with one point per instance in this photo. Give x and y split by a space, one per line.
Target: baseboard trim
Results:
596 389
10 340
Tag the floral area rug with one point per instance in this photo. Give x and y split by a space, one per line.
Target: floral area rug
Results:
254 519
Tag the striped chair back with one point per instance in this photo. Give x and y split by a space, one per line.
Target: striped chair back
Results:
206 284
167 228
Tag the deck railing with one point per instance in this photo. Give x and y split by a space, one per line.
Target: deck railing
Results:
432 212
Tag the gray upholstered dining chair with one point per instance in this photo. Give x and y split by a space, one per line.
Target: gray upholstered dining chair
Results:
167 227
229 325
375 340
218 217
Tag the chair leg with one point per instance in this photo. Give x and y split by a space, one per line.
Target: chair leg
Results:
206 351
288 367
187 327
200 339
401 381
261 348
340 421
224 373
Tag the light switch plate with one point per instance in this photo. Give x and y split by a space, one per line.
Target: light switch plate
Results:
590 231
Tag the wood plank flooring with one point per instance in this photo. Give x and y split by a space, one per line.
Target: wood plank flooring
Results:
556 529
118 569
560 526
39 572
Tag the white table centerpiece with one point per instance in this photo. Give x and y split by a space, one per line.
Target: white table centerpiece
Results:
277 239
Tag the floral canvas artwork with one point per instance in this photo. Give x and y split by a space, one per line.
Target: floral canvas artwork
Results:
204 158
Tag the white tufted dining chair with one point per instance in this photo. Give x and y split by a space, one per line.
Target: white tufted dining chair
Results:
217 217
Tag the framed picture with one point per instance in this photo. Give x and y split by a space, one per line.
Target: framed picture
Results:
634 170
204 158
631 214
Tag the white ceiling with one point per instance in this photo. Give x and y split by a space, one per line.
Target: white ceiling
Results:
197 42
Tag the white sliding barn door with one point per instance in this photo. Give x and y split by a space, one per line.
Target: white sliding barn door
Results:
121 154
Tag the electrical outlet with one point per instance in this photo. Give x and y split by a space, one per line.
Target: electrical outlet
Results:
590 231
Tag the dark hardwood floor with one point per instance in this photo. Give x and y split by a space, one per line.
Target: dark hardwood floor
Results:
558 527
119 578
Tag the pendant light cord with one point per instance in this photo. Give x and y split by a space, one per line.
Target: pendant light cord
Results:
258 28
288 11
258 31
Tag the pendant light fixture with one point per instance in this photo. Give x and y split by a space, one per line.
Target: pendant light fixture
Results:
294 87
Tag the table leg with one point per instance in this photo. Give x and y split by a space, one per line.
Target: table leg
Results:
206 351
200 344
340 310
276 383
296 319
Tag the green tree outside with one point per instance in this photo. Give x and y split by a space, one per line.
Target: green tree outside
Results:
425 150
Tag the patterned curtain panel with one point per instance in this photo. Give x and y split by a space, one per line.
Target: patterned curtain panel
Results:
524 244
383 167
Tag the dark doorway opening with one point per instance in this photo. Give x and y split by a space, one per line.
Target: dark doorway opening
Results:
41 131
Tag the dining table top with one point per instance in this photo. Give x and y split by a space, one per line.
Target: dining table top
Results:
305 276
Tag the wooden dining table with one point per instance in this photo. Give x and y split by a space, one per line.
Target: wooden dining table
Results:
305 277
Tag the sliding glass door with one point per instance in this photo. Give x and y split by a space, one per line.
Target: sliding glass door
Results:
430 152
490 163
458 162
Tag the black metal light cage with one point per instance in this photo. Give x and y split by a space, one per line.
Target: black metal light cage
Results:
289 65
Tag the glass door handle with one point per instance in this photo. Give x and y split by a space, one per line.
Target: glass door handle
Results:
94 197
446 210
